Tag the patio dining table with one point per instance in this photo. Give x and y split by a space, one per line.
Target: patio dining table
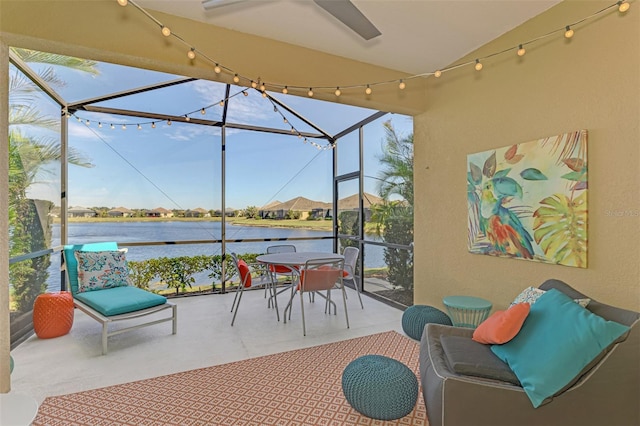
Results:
293 260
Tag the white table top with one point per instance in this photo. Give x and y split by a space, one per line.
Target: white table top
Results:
296 258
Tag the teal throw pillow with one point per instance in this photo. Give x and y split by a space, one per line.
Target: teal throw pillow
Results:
557 340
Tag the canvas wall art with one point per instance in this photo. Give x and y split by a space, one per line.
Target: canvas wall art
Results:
529 200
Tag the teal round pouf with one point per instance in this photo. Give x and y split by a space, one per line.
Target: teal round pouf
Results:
380 387
416 317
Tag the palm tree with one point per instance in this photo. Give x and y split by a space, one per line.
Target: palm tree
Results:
394 218
29 156
396 175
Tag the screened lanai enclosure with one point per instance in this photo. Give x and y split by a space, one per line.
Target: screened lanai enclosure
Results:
182 171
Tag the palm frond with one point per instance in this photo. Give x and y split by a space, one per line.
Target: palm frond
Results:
29 115
79 64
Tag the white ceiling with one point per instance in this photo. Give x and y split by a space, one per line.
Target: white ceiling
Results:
418 36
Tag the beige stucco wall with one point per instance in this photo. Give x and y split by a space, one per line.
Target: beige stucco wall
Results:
590 82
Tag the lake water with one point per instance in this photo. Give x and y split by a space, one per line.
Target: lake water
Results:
122 232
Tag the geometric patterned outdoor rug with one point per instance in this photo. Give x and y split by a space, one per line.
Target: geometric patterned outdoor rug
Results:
300 387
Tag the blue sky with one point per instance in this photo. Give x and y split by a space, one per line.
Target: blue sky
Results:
179 167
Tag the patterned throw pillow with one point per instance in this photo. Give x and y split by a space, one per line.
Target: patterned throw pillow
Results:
98 270
531 294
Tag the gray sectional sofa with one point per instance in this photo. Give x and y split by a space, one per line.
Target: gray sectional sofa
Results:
464 383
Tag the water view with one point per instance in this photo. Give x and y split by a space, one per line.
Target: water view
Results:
123 232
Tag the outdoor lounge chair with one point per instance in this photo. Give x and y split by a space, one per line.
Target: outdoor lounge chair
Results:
108 305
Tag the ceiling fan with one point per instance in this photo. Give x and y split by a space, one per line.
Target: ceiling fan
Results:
343 10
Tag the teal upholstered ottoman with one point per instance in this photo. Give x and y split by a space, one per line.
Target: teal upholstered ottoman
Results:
416 317
380 387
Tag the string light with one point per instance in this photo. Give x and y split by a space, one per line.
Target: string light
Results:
100 125
191 54
186 117
153 124
621 5
337 92
245 93
264 94
221 103
254 84
310 92
139 127
112 127
88 122
569 32
203 111
367 91
124 127
168 122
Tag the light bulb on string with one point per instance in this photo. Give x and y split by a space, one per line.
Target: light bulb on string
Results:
367 91
203 111
254 84
285 120
285 90
112 126
263 87
402 85
139 127
337 92
310 92
100 125
191 54
186 117
123 2
124 127
165 31
245 93
221 103
153 124
437 74
623 6
79 119
478 65
88 122
569 32
293 130
217 69
168 122
521 50
236 79
264 94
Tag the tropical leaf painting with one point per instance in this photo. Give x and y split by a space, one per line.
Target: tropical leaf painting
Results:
529 200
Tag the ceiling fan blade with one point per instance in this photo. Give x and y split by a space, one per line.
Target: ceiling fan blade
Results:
347 13
212 4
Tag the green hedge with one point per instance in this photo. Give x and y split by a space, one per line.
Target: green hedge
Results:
178 272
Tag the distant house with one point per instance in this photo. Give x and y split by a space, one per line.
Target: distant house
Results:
164 212
298 204
197 212
352 203
81 212
120 212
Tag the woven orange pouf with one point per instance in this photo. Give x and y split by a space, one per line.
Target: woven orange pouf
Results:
53 314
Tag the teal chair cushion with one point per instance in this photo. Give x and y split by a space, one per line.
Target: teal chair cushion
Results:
120 300
72 263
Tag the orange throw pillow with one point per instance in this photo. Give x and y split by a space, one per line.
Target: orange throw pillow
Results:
502 326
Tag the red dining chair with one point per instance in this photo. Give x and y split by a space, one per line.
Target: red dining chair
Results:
251 276
316 276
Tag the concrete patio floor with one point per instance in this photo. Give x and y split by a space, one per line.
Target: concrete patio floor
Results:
72 363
